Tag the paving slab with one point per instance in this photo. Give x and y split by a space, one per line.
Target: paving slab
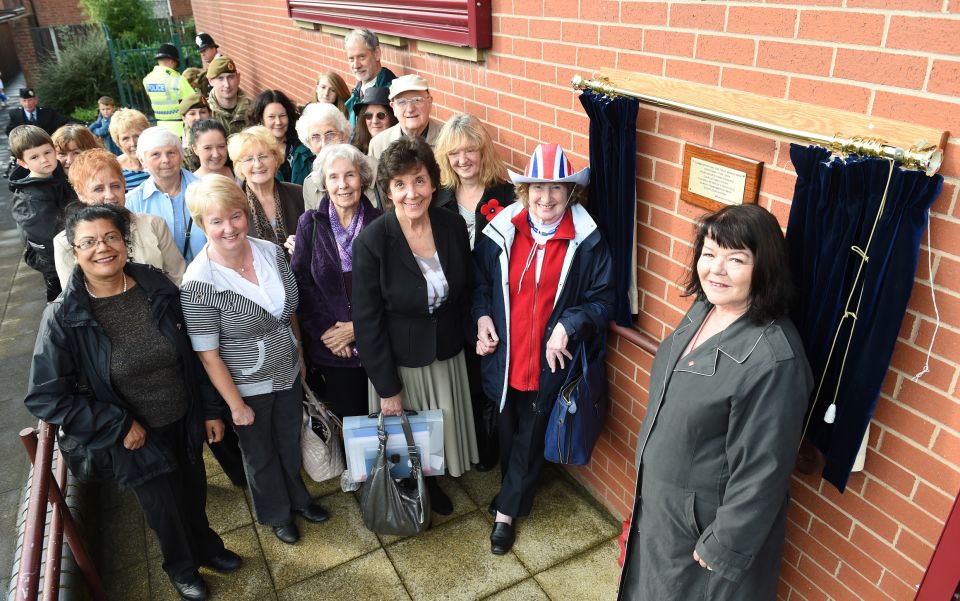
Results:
528 590
591 576
453 561
368 578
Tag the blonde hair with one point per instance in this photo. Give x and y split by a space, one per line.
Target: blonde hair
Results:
124 120
339 86
239 144
215 191
466 130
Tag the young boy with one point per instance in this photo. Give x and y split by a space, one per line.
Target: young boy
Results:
40 194
101 127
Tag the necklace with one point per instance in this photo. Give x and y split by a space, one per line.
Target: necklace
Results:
92 295
544 232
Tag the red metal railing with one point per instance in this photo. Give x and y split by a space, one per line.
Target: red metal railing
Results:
44 488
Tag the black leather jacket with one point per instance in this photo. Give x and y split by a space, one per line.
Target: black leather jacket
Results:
70 378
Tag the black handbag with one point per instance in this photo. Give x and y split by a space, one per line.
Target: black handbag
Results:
388 506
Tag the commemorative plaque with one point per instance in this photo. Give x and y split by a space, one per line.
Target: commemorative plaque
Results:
713 179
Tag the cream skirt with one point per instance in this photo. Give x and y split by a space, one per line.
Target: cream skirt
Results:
441 385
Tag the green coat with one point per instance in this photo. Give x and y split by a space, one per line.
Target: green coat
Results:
301 164
715 453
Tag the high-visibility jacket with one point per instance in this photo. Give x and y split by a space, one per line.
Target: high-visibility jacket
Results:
166 88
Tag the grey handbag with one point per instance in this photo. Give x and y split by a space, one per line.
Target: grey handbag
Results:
388 506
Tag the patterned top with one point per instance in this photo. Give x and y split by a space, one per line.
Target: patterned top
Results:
259 349
438 289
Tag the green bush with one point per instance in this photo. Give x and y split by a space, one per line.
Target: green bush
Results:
86 114
128 20
83 74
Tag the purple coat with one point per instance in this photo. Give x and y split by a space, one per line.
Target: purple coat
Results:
323 295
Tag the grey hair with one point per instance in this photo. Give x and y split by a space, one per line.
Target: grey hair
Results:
155 137
369 38
343 151
318 112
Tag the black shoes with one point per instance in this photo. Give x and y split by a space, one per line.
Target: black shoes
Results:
227 561
288 533
191 588
502 537
314 513
439 501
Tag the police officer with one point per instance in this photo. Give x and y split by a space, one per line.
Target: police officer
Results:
209 51
166 88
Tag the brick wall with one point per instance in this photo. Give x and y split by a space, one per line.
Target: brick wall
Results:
897 59
59 12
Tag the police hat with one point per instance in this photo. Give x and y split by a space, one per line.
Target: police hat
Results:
168 51
27 93
204 41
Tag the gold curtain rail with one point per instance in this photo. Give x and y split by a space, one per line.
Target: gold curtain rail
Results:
923 156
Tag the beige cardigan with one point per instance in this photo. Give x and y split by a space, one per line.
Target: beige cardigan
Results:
150 243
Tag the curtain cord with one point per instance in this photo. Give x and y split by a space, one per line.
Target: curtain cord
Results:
936 310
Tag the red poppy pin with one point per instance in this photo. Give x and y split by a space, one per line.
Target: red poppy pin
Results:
491 208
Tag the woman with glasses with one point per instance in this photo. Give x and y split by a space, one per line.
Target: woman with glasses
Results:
275 206
322 125
113 366
273 110
374 115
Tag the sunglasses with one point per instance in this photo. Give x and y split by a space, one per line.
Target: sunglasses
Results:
380 115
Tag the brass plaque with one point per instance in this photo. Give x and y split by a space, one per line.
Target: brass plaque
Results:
713 179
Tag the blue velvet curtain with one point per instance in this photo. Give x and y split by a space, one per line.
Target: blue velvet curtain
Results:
612 199
844 300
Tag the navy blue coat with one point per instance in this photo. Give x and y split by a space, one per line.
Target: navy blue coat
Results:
583 303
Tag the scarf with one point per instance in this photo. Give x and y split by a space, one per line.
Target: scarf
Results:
345 237
262 225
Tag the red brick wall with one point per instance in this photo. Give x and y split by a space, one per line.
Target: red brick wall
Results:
59 12
897 59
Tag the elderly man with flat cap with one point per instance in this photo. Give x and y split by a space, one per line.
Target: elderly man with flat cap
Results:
363 54
31 113
166 88
411 102
228 104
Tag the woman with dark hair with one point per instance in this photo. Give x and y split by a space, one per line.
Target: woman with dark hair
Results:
323 265
113 366
209 144
412 279
332 89
728 392
374 114
273 110
544 285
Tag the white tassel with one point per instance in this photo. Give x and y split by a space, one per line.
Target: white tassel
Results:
830 414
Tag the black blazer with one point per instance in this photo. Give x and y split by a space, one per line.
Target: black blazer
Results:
390 318
48 120
503 193
291 201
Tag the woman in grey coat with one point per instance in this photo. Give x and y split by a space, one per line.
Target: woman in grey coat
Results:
728 392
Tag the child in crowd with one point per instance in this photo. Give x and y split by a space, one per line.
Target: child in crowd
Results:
70 140
101 127
40 194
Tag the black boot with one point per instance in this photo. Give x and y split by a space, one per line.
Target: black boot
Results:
439 501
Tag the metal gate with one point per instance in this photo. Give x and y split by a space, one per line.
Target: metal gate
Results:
132 61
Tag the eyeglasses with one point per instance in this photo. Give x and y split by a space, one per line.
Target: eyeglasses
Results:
326 138
380 115
260 158
111 240
415 101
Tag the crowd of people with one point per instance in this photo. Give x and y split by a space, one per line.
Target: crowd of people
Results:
200 270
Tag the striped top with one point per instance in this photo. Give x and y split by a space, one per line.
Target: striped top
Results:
259 350
132 178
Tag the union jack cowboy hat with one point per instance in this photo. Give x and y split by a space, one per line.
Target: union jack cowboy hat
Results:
549 164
